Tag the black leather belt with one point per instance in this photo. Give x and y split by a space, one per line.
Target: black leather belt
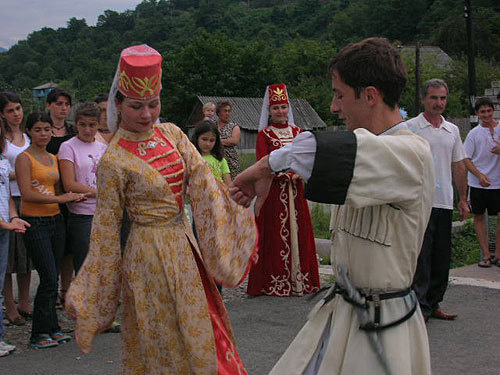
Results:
376 299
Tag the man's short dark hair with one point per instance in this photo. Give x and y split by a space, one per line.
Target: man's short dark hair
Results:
434 83
483 102
221 105
372 62
56 93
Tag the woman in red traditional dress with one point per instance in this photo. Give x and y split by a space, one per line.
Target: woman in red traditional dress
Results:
287 263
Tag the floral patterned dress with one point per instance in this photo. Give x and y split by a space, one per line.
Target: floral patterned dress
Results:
287 263
174 320
230 153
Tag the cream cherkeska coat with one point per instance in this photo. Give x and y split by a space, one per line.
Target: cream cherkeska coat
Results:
377 234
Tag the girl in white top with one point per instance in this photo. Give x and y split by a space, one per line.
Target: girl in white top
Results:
11 112
9 221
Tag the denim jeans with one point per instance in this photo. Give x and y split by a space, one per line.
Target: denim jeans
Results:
78 236
44 242
4 257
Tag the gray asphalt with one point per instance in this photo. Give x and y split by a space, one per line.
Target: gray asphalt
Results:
264 326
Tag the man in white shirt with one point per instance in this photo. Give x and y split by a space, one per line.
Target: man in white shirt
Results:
431 277
482 147
380 177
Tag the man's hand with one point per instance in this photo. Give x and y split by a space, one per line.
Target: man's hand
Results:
463 210
496 149
484 181
255 181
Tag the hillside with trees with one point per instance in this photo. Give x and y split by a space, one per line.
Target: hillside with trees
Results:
236 48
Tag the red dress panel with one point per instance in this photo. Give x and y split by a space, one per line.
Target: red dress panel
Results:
287 263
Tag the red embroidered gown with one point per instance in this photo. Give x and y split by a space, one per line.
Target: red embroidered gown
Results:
287 263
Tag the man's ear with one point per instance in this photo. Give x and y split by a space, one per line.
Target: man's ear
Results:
372 95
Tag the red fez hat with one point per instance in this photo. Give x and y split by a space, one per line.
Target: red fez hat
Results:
139 75
278 94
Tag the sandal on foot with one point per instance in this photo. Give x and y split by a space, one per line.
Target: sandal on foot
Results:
495 261
485 262
60 337
43 342
25 314
17 321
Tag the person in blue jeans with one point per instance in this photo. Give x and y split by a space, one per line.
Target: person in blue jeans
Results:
9 220
37 174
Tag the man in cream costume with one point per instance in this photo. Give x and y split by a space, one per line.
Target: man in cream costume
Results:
380 176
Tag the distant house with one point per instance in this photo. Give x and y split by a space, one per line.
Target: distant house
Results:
246 113
41 92
428 54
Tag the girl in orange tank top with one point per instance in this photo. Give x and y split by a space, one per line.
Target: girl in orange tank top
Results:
37 174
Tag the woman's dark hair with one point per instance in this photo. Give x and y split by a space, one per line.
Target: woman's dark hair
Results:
222 104
56 93
7 97
206 127
2 138
35 117
120 97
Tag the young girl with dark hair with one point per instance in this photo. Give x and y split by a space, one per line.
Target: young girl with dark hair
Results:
37 174
206 139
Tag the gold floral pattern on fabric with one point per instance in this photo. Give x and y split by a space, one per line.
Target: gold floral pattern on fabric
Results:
141 86
167 328
277 95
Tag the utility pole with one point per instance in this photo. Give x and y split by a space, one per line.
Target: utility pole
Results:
471 61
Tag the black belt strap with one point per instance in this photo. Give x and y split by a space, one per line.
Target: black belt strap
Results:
400 293
376 299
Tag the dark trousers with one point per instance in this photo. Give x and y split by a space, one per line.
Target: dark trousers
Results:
433 267
78 236
45 241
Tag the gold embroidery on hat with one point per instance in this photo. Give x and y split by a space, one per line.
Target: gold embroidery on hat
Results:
146 85
124 80
277 95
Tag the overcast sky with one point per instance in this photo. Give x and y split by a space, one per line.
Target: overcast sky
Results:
18 18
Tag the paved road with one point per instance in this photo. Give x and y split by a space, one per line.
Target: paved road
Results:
264 326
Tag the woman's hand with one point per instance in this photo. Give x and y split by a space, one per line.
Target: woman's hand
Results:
72 197
17 225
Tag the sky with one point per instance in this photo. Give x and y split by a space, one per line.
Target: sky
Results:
18 18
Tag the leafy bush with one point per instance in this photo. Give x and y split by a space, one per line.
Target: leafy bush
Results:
321 221
465 249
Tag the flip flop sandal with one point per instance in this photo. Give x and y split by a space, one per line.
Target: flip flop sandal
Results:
60 337
44 342
485 263
495 261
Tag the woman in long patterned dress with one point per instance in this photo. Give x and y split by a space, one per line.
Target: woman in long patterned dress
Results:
230 135
174 320
287 263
